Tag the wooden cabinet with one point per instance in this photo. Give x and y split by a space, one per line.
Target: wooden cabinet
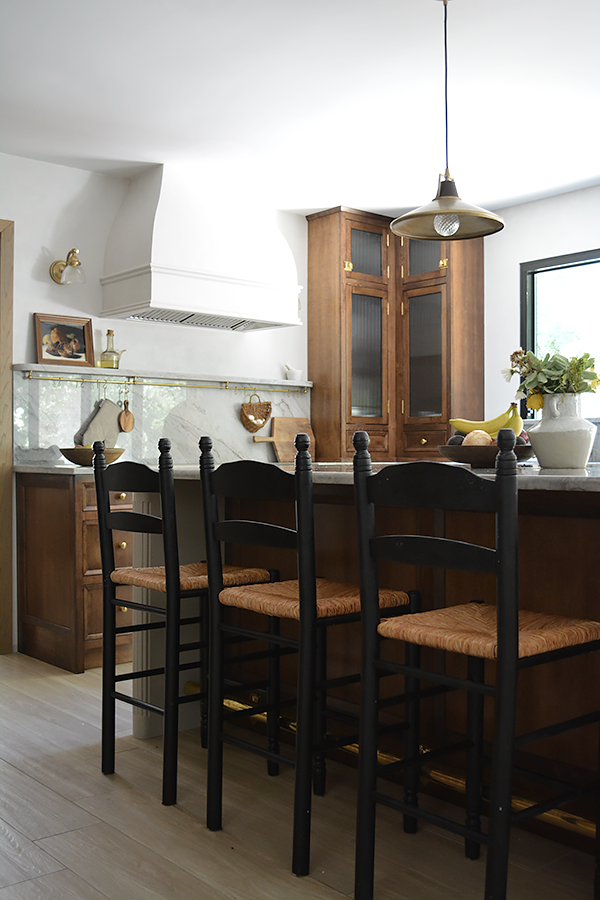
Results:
59 571
395 336
351 278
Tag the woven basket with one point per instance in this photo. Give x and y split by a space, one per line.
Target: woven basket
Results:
255 415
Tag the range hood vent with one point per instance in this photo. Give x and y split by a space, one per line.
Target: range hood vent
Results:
174 257
169 316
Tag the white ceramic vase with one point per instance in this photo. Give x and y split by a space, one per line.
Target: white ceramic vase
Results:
562 439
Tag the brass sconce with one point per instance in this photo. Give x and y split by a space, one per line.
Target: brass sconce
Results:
68 271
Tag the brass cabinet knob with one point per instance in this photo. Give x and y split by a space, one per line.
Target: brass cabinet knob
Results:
122 545
423 440
348 266
121 609
122 496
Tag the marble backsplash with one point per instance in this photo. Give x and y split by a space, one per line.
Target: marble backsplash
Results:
51 403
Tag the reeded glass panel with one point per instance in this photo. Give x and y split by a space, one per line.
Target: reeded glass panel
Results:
426 355
423 256
366 355
366 252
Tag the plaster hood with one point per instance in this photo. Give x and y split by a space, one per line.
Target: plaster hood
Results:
189 248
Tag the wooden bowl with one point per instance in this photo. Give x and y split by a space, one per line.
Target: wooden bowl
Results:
480 457
82 456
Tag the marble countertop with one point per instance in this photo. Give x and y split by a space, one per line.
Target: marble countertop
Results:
531 477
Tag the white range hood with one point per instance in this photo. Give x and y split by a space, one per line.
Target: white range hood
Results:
189 248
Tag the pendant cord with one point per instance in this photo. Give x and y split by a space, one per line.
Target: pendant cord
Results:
446 76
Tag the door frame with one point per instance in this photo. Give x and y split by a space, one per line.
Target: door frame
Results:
6 434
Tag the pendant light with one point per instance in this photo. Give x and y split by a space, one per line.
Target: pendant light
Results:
447 217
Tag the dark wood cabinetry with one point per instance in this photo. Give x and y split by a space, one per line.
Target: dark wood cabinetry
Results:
395 336
60 576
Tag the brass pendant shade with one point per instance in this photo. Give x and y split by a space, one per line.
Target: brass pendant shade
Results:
447 217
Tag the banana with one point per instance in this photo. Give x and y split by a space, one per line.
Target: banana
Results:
492 426
515 421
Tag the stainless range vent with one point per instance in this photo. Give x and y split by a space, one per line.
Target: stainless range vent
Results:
226 323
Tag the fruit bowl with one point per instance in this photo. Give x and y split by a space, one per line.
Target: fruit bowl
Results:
82 456
481 456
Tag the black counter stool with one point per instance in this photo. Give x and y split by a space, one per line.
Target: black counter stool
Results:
515 639
175 582
314 602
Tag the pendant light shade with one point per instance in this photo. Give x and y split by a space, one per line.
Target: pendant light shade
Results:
447 217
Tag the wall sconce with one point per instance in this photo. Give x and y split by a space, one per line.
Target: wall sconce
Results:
68 271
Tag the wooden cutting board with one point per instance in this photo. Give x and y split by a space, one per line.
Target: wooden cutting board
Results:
282 437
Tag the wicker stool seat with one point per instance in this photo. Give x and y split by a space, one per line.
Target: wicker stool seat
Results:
282 599
192 576
471 629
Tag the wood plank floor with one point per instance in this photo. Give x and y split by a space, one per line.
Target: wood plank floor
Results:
69 833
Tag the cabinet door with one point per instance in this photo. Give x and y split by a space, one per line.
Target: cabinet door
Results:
367 354
423 260
366 251
425 328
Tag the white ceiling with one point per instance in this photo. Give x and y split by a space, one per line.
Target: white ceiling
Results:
321 102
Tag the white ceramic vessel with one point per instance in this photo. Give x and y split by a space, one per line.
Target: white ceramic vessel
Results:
562 439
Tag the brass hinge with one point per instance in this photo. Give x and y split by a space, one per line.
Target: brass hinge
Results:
388 271
403 407
348 265
402 271
402 307
443 263
388 407
387 237
388 307
402 242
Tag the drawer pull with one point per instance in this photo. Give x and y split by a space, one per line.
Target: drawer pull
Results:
423 440
122 545
122 496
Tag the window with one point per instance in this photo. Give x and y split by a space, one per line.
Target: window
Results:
560 311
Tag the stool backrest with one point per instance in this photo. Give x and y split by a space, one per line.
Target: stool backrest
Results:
134 477
250 479
442 486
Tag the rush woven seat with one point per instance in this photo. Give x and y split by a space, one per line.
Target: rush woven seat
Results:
282 599
471 629
192 576
514 639
312 604
176 584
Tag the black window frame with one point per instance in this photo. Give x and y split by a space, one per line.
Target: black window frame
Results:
527 281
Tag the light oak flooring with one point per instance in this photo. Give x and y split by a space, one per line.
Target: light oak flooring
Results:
69 833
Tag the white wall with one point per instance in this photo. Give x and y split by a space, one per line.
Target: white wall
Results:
567 223
55 208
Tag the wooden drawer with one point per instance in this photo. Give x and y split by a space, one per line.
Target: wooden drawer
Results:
122 498
423 440
92 611
379 439
123 544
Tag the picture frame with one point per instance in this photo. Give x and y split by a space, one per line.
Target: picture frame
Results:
64 340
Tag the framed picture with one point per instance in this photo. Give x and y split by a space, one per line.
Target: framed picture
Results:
64 340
